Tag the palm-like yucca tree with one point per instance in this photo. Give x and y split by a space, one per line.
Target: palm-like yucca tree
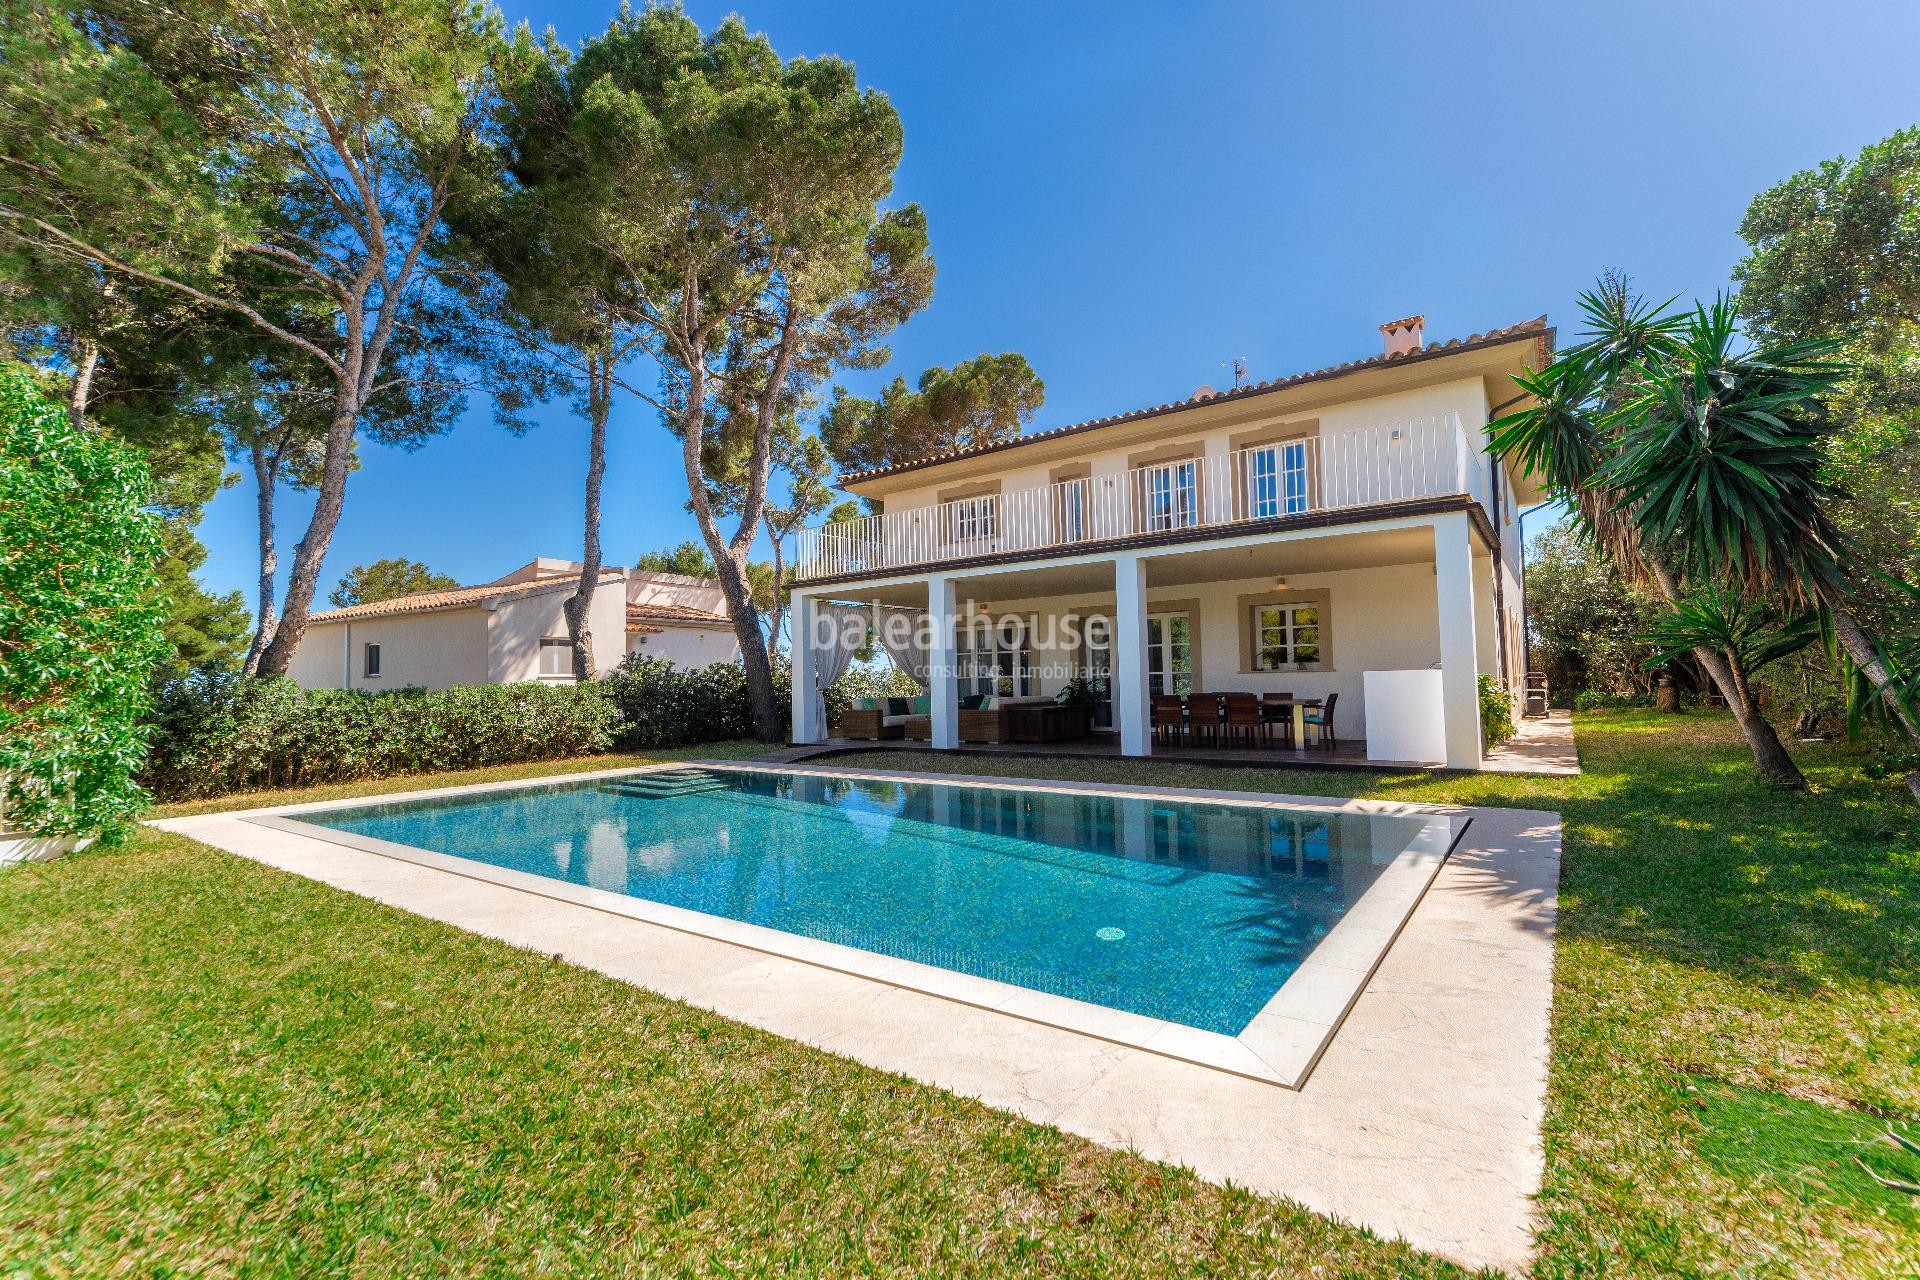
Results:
1571 434
1718 467
1752 636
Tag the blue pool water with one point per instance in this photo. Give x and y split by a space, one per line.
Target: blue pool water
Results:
1191 912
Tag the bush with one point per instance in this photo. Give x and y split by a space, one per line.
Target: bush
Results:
1600 700
1496 711
218 734
80 622
662 705
214 734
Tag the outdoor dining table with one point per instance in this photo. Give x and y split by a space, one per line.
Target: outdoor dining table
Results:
1298 707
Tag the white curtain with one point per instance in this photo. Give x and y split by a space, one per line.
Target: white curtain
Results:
845 630
906 645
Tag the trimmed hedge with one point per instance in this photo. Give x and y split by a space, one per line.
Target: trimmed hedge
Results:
215 735
662 705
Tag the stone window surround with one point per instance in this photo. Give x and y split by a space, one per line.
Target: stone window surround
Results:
1319 597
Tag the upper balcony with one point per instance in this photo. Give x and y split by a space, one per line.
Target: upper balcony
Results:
1387 462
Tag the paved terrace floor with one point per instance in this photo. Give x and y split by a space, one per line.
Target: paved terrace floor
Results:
1538 747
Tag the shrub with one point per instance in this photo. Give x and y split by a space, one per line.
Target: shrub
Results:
871 682
1496 711
219 734
80 622
662 705
1601 700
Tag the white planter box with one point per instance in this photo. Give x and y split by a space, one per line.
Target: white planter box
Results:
17 846
1406 718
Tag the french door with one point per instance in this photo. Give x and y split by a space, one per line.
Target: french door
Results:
1097 646
1277 479
1169 653
1172 496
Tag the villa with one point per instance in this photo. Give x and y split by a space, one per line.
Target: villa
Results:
1337 542
514 629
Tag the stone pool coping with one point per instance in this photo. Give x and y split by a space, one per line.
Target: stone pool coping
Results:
1420 1120
1279 1045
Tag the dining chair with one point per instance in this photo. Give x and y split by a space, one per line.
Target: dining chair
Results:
1279 712
1203 717
1320 720
1169 718
1244 718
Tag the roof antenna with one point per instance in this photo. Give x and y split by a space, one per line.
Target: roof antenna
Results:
1239 366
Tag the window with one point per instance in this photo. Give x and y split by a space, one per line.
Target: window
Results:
1072 510
1097 648
1172 502
975 519
1169 654
1277 479
370 664
1285 636
556 657
997 660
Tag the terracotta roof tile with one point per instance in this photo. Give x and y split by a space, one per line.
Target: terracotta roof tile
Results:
672 613
454 598
1536 328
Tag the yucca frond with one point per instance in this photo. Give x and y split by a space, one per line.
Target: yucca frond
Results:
1718 617
1717 460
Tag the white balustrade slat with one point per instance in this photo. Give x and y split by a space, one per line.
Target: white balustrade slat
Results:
1388 462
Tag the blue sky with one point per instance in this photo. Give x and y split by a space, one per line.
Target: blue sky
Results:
1134 195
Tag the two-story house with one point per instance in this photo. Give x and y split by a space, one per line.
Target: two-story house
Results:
1295 535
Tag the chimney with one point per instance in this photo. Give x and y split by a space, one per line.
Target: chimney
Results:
1403 336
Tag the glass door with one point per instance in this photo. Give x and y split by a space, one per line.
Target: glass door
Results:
1097 645
1172 497
1293 476
1169 653
1277 480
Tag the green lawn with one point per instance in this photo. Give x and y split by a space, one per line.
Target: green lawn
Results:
216 1068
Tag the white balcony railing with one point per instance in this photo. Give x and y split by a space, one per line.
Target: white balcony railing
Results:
1391 461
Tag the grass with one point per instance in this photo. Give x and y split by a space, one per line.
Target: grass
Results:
353 1090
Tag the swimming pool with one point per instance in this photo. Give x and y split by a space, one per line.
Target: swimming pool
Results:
1189 912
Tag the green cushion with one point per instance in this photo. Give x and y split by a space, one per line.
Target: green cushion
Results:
867 704
923 705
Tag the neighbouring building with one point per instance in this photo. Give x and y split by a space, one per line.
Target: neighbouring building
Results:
1340 532
681 619
513 629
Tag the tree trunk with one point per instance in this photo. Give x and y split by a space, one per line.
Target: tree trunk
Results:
1769 754
729 558
776 611
1860 647
266 467
1776 766
311 550
86 359
579 606
768 725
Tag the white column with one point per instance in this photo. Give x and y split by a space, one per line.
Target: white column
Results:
944 680
1459 668
1130 655
806 708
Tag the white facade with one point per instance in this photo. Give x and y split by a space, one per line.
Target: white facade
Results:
681 619
511 630
1362 498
